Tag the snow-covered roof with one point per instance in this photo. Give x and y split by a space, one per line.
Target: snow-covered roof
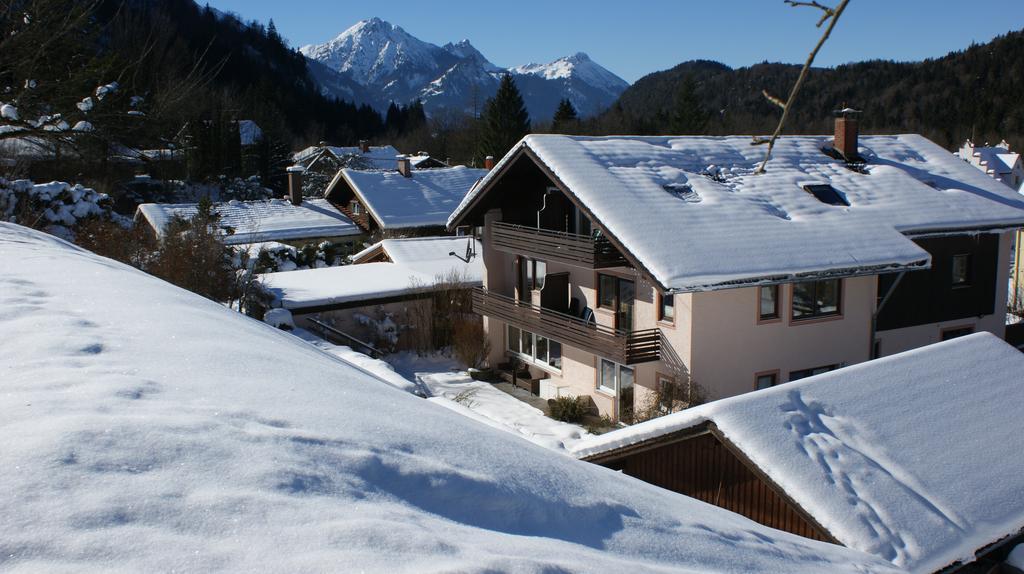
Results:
378 157
694 215
147 428
257 221
913 457
425 199
433 254
349 284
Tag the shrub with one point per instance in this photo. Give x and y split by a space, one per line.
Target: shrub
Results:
470 343
569 409
670 398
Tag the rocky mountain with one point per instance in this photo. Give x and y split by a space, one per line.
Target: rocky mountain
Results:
376 62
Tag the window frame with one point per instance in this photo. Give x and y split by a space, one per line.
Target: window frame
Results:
661 308
823 368
774 374
532 358
617 370
817 316
777 316
968 271
969 327
616 306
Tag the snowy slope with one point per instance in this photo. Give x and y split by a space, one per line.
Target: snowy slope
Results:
389 64
145 428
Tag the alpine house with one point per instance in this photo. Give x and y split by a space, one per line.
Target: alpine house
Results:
626 268
147 428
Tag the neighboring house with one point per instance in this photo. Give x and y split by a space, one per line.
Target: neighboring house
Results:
1008 167
914 458
257 221
426 251
621 266
387 292
997 161
402 200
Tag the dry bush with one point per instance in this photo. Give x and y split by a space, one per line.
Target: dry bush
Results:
433 318
470 343
670 398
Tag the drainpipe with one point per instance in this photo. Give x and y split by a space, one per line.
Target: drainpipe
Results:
881 305
543 205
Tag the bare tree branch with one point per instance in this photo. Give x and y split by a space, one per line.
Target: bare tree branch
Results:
832 16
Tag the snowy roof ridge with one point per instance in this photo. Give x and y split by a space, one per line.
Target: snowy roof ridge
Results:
885 434
260 220
393 247
751 228
425 199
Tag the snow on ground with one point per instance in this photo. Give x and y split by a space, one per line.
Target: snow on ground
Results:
501 410
146 428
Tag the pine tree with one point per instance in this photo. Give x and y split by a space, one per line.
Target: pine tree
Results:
565 119
688 116
505 120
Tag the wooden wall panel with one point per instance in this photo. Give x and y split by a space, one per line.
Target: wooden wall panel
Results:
703 468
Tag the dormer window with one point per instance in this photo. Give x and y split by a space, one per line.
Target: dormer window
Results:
825 193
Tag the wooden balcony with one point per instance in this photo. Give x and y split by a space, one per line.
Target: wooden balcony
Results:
568 248
623 347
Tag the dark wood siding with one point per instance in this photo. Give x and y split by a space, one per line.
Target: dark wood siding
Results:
929 296
703 468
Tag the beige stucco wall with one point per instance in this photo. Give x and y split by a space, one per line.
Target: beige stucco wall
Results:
899 340
733 347
345 320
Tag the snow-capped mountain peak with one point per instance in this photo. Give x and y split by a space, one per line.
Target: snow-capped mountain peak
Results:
373 50
389 64
579 65
465 50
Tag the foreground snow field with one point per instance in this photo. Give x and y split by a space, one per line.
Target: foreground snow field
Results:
145 428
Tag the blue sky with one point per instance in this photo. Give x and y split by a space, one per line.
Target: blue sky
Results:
636 37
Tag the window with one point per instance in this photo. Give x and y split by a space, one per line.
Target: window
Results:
766 380
816 299
769 302
355 207
607 291
532 275
535 349
826 194
617 294
667 308
956 332
668 394
615 378
804 373
961 270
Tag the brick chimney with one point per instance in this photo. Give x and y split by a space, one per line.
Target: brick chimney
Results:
846 133
404 166
364 146
489 162
295 184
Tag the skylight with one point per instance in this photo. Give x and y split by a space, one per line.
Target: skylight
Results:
825 193
683 191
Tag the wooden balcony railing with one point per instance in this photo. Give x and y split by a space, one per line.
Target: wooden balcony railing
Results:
624 347
569 248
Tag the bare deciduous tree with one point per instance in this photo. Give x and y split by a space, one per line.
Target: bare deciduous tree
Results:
830 15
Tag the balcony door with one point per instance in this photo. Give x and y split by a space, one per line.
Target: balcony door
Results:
619 296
